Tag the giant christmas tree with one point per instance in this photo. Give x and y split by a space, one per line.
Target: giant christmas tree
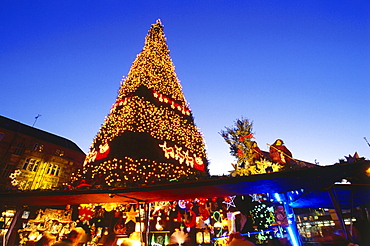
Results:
149 135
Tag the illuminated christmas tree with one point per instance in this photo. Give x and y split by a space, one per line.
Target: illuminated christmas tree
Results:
149 135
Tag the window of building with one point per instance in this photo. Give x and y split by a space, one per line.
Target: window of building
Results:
8 170
38 147
35 166
56 170
59 152
1 135
22 184
31 164
19 149
28 185
26 163
50 168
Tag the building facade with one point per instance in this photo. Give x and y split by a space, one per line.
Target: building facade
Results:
31 158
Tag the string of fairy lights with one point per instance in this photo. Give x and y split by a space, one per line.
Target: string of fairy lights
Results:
154 68
149 101
139 115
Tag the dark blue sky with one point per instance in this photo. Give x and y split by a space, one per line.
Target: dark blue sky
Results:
300 70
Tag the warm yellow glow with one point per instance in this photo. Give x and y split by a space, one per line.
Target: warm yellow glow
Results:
150 100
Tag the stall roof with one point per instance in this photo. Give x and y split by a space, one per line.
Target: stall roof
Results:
315 178
348 196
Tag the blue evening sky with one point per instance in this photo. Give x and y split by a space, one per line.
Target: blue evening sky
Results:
300 70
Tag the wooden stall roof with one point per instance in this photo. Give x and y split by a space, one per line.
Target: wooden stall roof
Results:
312 179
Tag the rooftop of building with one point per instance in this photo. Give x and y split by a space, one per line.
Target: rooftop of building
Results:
19 127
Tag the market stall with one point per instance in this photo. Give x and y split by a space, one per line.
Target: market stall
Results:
153 213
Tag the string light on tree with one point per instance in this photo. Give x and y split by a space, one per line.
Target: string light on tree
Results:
149 135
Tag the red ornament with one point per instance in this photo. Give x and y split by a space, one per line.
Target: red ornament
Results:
103 152
242 138
83 184
192 221
85 212
240 153
204 212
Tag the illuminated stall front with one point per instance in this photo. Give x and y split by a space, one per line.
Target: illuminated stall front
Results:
204 211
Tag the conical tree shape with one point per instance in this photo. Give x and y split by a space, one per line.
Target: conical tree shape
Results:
149 135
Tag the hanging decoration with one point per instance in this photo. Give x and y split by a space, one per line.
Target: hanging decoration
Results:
83 184
131 215
229 201
206 237
158 225
178 217
231 221
229 216
217 217
190 218
199 238
109 206
263 218
182 204
204 211
85 212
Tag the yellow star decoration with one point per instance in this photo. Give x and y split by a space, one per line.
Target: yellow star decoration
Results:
239 171
259 167
131 216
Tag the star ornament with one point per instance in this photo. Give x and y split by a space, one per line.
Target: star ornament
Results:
230 202
269 220
131 215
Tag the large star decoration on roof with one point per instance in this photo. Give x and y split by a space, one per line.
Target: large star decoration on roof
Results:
230 202
354 158
131 215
